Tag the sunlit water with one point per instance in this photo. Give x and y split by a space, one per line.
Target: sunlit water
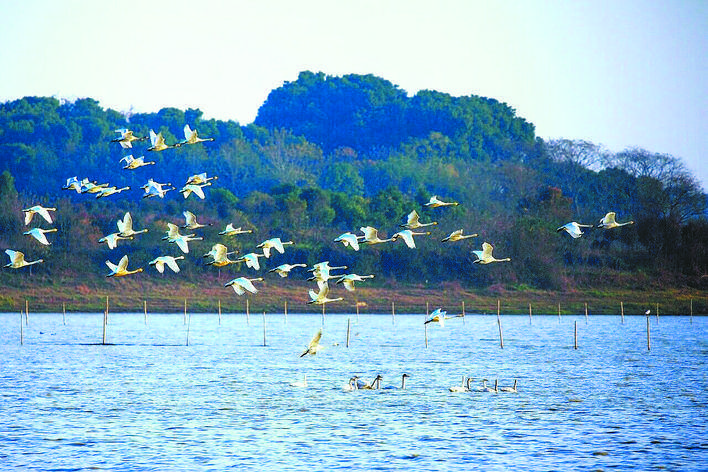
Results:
150 402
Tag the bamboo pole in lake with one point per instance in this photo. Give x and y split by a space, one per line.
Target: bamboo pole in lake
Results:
189 322
348 328
691 312
393 313
357 311
575 336
622 311
264 329
145 312
463 312
105 323
26 312
426 335
248 314
285 311
63 312
501 332
323 314
185 311
106 320
559 312
657 313
219 312
648 335
530 314
586 312
427 309
22 329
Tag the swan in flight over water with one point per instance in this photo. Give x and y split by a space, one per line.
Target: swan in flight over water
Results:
435 203
112 239
283 270
413 221
160 262
407 236
121 269
485 255
38 234
220 256
132 163
40 210
231 231
195 189
349 239
458 236
182 241
191 221
17 259
314 346
371 235
273 243
251 260
349 279
108 191
199 179
437 316
126 138
91 187
158 142
125 226
321 298
608 221
573 229
242 285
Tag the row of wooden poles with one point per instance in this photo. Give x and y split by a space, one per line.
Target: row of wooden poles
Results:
188 317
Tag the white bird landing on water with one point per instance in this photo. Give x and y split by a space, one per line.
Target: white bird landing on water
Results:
220 255
191 221
40 210
371 235
191 137
160 262
132 163
17 259
121 269
349 279
435 202
38 234
349 239
242 285
125 226
458 236
251 260
608 221
413 221
573 229
231 231
314 346
126 138
158 142
283 270
273 243
112 239
407 236
485 255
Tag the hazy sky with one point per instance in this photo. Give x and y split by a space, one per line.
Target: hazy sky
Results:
617 73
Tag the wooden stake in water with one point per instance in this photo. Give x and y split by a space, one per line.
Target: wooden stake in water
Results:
498 308
145 312
463 312
357 311
105 323
691 312
185 311
501 333
323 314
427 310
264 329
393 313
648 335
26 312
586 312
622 311
576 335
348 327
657 313
285 312
248 314
426 335
63 312
530 314
106 309
189 322
219 312
559 312
22 329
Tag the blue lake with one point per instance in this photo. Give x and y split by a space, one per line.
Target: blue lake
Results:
149 401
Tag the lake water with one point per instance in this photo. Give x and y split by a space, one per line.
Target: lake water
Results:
150 402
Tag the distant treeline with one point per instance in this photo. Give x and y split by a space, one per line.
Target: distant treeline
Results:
327 155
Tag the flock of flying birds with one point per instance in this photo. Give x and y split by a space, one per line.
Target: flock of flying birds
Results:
219 254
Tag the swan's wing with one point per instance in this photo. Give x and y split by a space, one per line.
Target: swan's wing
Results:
407 238
198 191
278 245
112 240
112 266
39 236
172 264
182 244
15 256
248 285
187 132
486 250
413 218
237 287
189 217
45 214
160 140
315 340
160 265
348 284
219 251
153 138
123 263
312 294
369 232
266 251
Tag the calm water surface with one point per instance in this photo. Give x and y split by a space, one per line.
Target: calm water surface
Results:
150 402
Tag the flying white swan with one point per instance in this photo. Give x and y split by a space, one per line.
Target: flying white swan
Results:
160 262
573 229
171 233
371 235
608 221
251 260
182 241
458 236
407 236
38 234
112 239
72 183
284 269
198 179
437 316
17 259
321 271
156 189
349 279
121 269
191 221
321 298
220 256
191 137
91 186
108 191
485 255
273 243
197 190
314 345
132 163
126 138
231 231
349 239
158 142
435 203
125 226
40 210
242 285
413 221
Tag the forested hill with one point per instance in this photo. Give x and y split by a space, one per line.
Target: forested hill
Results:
327 155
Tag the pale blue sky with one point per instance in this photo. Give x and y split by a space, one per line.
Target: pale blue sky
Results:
618 73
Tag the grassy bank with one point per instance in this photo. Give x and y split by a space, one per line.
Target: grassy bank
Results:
128 295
